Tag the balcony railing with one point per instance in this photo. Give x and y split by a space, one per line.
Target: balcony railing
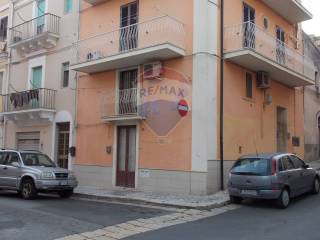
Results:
41 98
47 23
142 35
248 36
121 104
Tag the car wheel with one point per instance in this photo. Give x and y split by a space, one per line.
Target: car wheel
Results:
28 189
284 199
316 186
235 200
66 193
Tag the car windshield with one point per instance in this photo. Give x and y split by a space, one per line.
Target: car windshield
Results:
37 159
252 166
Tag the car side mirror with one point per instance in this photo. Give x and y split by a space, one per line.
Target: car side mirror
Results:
15 164
306 166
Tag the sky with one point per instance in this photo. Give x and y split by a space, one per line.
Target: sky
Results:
312 26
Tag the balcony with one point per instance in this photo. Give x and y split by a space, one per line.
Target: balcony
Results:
157 39
292 10
122 106
95 2
30 107
253 48
37 34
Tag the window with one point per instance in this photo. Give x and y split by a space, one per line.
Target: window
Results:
1 81
252 166
2 158
249 87
287 164
65 74
298 163
3 29
11 158
68 6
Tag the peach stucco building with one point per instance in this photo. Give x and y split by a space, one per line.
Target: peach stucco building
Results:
148 92
147 96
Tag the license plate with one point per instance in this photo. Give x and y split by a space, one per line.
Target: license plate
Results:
63 183
249 192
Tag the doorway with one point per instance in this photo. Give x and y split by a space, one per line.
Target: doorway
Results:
249 18
281 49
282 129
63 145
129 28
126 156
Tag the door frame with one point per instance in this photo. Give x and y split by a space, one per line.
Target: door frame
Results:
276 120
115 151
37 62
117 84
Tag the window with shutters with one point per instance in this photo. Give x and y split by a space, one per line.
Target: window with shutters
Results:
249 88
3 29
68 6
65 74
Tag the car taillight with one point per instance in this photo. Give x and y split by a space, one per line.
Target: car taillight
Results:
274 167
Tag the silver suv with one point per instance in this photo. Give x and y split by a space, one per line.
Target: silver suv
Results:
30 172
278 176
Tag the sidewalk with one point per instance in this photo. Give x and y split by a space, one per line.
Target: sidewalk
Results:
159 199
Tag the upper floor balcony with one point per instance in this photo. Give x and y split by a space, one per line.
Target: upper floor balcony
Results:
121 106
36 34
36 106
292 10
95 2
253 48
156 39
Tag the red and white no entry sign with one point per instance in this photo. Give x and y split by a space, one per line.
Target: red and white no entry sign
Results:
183 108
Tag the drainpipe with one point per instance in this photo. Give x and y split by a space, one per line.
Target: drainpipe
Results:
221 97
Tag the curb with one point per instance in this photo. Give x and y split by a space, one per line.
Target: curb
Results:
114 199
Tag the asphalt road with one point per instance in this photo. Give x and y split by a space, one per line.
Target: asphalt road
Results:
254 221
50 217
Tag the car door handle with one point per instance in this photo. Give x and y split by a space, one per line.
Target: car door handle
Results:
5 168
289 176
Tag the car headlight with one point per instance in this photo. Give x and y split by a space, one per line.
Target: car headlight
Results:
47 175
72 175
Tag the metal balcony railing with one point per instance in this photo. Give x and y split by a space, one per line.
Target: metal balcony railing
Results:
150 33
121 103
248 36
47 23
40 98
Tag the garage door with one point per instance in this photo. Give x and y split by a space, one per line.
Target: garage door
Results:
28 141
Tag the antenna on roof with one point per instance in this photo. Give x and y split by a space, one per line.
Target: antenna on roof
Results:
255 145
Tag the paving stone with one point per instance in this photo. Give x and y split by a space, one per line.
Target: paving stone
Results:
97 233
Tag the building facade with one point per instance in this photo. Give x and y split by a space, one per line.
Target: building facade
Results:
39 97
147 96
265 69
312 104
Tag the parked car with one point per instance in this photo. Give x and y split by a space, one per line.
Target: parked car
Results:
278 176
31 172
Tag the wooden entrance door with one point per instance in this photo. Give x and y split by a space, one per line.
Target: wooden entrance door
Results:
63 144
126 156
282 129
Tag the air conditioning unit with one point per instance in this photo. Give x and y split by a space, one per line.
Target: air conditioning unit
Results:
152 70
263 80
94 55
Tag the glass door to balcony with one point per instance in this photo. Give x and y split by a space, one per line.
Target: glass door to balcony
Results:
281 49
129 29
127 95
36 83
40 10
249 36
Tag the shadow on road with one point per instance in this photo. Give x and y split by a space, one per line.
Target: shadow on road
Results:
271 204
